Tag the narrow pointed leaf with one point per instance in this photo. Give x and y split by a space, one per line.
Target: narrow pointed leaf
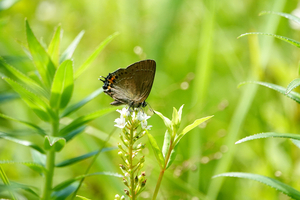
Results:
53 48
62 87
84 119
83 198
158 154
54 142
282 187
34 102
270 135
25 79
293 95
172 156
82 157
32 165
166 120
22 142
38 157
33 126
74 132
17 186
190 127
40 58
65 192
68 53
288 40
70 181
293 84
8 96
92 57
5 180
296 142
286 15
81 103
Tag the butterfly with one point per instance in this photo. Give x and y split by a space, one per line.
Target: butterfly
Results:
131 85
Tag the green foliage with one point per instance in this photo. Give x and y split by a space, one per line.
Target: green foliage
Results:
58 81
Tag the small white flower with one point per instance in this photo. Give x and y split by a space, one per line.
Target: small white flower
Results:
124 112
141 116
120 122
144 125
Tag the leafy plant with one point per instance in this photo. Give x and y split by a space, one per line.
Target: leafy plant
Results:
288 91
47 92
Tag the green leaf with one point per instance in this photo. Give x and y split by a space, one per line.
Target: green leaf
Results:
92 57
296 142
40 58
172 156
166 144
288 40
34 102
32 165
293 95
81 103
190 127
81 197
22 142
33 126
53 48
74 132
67 54
84 119
17 186
65 192
62 87
38 157
5 180
158 154
166 120
25 79
8 96
6 4
268 135
293 84
54 142
82 157
286 15
70 181
282 187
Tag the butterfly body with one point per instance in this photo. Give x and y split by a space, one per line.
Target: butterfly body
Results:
131 85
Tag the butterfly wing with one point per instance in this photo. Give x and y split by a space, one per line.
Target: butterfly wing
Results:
132 85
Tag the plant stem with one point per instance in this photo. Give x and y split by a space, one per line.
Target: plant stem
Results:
131 165
50 164
161 174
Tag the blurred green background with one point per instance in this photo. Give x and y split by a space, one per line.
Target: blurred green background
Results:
200 63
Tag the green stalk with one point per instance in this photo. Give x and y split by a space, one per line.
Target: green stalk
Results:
50 164
162 172
131 166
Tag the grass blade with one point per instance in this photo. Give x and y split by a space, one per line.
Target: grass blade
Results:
293 95
282 187
288 40
5 180
268 135
293 84
286 15
92 57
